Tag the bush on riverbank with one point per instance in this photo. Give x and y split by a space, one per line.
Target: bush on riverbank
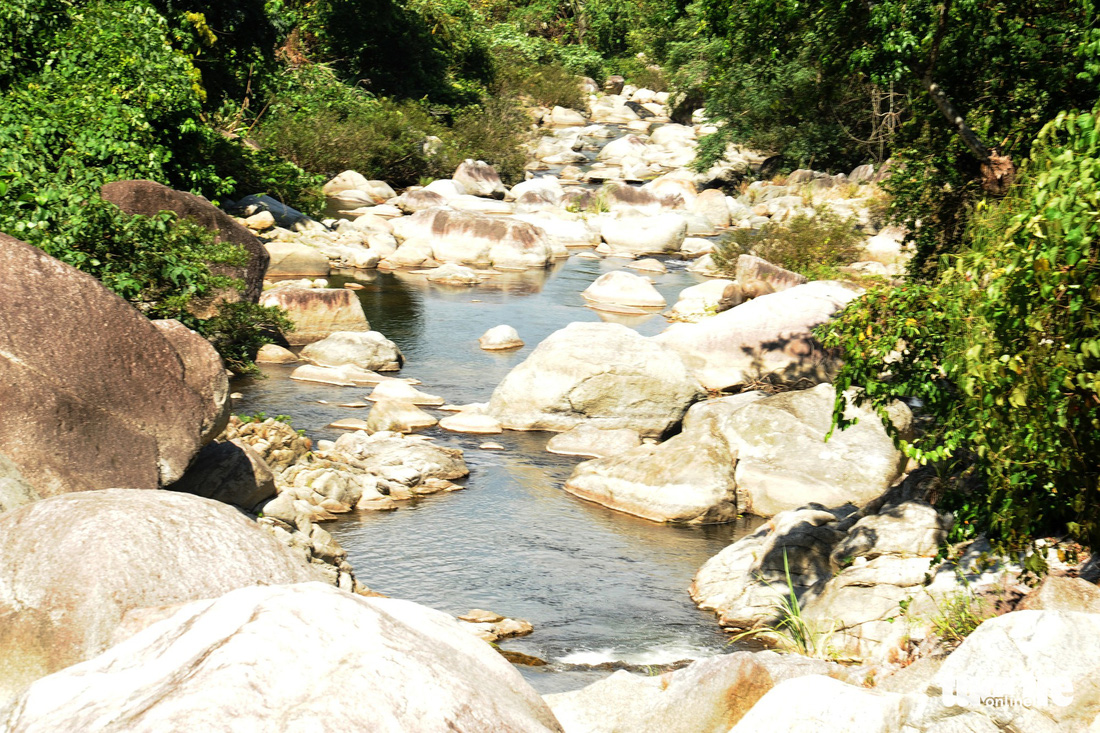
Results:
1003 351
813 246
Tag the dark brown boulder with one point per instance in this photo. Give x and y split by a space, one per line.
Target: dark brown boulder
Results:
74 565
230 472
93 394
149 198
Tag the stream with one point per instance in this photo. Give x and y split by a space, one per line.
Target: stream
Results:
599 586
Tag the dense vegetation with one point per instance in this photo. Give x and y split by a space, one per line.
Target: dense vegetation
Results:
181 92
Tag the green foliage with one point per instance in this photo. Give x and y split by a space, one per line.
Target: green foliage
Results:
831 60
958 615
813 246
1003 350
239 329
546 84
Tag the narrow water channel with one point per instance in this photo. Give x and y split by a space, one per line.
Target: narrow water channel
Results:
598 585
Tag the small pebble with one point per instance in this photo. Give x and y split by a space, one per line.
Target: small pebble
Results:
236 396
353 286
491 446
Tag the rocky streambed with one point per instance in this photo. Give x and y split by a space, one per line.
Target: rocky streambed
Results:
491 411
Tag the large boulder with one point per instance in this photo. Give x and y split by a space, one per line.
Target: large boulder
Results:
230 472
757 276
1049 658
149 198
95 394
824 705
75 564
766 337
203 372
317 312
370 664
478 178
477 239
687 479
784 461
366 349
634 234
602 374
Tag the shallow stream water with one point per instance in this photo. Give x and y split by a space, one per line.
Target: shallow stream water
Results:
599 586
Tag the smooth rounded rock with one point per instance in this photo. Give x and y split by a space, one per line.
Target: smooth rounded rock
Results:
364 349
500 338
624 288
397 416
74 564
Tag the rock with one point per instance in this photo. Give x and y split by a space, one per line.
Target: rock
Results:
350 423
203 371
1047 657
646 200
624 288
365 349
397 416
468 421
376 452
705 266
278 444
291 259
411 253
562 117
700 300
14 489
399 666
623 147
260 222
231 473
695 247
480 616
452 274
396 389
285 216
707 696
346 181
491 446
602 374
784 461
474 239
75 564
614 84
478 178
348 375
687 479
648 265
81 412
148 198
635 234
317 312
564 229
1057 593
824 705
712 204
767 337
275 354
862 174
888 248
499 338
413 201
760 277
585 440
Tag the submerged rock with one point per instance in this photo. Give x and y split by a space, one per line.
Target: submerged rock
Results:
585 440
624 288
500 338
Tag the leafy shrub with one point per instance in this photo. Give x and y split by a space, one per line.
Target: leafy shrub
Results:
811 245
239 329
1003 350
547 84
491 131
